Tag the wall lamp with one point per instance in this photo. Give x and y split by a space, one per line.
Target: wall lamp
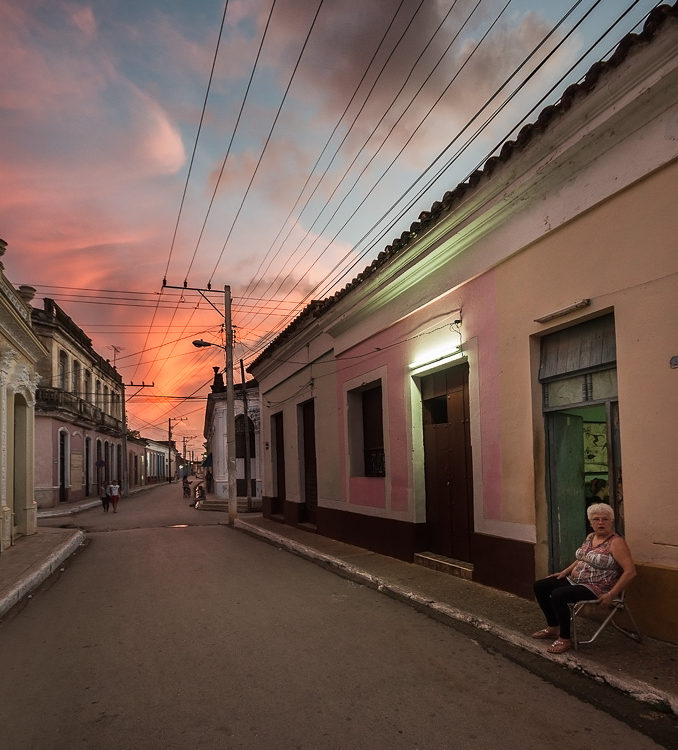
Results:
417 368
563 311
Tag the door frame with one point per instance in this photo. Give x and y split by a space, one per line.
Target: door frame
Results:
457 548
308 465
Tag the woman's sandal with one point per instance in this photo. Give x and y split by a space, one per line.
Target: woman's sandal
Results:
544 633
559 646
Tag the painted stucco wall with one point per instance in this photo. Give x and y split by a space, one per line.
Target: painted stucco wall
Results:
621 255
584 211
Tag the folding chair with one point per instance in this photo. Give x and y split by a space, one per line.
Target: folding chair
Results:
618 605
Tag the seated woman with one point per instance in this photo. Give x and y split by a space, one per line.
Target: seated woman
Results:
602 570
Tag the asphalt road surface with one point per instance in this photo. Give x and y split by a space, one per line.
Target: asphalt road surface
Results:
172 630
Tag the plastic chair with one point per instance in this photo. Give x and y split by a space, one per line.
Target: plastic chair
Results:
618 605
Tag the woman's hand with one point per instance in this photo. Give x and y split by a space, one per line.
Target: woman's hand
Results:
564 573
605 600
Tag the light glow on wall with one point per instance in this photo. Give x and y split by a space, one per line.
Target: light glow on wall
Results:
433 361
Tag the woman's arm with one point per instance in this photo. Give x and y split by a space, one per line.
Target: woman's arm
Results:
566 572
622 554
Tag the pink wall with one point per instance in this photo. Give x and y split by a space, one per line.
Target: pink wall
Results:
477 300
482 319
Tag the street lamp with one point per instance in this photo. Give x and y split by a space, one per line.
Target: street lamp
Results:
230 409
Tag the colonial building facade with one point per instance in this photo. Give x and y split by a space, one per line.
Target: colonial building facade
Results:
79 413
20 352
515 343
247 427
158 461
136 462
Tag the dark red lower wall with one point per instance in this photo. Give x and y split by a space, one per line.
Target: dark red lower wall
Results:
383 535
504 564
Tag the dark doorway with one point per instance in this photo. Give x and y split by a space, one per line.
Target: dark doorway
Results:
244 430
584 467
310 466
88 463
63 491
583 450
279 462
448 468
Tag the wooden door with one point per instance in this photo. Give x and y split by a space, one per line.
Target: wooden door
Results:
279 434
448 467
310 466
567 502
63 492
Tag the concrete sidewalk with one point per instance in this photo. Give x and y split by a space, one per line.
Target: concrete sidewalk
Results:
33 559
646 671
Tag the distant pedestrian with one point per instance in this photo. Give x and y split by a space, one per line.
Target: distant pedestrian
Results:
105 499
114 494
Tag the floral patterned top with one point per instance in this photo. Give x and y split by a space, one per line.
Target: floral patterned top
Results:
596 567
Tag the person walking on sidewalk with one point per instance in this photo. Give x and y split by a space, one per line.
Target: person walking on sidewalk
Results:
114 493
105 499
602 570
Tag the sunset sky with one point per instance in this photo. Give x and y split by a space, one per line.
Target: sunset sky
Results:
138 143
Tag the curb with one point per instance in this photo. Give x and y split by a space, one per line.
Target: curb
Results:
40 573
640 691
73 510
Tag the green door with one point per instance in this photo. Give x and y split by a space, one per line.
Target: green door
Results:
567 503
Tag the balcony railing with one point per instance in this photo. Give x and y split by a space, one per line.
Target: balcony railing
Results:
54 399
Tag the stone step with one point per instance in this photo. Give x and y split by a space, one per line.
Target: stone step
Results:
443 564
221 506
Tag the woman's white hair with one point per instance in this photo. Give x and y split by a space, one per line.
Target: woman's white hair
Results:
600 508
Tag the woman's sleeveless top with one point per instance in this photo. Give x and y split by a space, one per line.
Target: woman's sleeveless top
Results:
596 567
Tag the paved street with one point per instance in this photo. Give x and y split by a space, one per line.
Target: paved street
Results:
171 630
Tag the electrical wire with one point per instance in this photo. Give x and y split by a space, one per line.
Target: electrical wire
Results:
258 272
265 342
408 140
195 145
268 140
230 143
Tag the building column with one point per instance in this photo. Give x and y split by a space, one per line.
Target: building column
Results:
7 361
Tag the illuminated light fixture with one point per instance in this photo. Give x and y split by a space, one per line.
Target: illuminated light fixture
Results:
563 311
417 368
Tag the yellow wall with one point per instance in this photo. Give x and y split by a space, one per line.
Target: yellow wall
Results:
653 600
623 256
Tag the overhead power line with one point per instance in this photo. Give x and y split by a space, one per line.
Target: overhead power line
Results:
268 139
314 293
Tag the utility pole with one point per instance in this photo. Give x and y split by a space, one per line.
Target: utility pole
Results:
230 400
125 458
186 438
230 411
169 445
248 481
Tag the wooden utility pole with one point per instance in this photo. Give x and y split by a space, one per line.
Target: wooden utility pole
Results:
230 400
169 445
230 412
